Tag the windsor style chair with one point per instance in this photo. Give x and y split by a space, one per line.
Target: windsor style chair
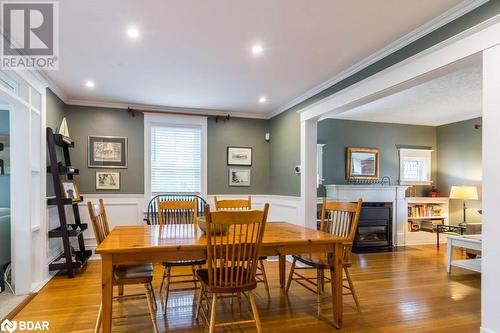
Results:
232 261
122 274
339 219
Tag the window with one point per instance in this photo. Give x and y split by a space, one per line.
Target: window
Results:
415 166
175 159
175 154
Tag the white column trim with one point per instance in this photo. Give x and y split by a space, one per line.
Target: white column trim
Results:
490 302
308 175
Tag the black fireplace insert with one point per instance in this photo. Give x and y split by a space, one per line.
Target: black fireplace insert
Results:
374 229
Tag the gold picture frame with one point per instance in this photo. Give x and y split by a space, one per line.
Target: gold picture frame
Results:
362 163
70 190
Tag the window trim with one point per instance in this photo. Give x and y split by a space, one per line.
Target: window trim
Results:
429 167
152 120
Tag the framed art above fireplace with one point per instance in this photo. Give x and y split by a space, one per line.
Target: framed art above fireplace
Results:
362 163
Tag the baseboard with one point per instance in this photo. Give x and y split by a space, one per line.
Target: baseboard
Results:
19 307
485 330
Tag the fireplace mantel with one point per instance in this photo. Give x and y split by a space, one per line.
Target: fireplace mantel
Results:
396 195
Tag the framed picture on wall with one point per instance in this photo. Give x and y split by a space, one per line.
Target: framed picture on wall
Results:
70 189
107 152
105 180
362 163
239 156
239 176
4 154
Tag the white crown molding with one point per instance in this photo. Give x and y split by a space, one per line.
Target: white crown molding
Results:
52 86
443 19
158 108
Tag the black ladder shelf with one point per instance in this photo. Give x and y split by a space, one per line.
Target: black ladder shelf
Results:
69 260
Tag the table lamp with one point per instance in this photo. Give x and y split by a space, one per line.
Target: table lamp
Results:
464 193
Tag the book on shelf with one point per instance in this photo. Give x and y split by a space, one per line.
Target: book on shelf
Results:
424 210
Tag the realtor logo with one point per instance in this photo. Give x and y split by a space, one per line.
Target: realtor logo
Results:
8 326
31 36
24 326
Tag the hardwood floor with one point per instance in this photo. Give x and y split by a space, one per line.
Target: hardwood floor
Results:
404 291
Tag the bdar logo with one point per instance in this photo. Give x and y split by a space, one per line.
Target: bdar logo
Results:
8 326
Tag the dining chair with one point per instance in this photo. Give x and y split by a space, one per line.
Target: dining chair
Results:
245 204
233 257
122 274
339 219
178 213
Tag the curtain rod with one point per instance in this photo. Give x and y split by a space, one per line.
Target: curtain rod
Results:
216 117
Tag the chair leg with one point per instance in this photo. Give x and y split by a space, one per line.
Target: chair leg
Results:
240 301
264 277
152 312
121 289
322 279
351 287
194 277
99 320
163 278
318 284
290 275
153 296
255 312
198 303
167 289
213 311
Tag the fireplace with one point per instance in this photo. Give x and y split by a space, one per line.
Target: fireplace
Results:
374 229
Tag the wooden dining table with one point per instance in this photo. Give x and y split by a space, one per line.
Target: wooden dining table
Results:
156 244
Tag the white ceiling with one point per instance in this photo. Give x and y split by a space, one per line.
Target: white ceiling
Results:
196 54
450 98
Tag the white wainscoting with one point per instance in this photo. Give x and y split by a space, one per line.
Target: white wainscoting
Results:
128 209
282 208
121 209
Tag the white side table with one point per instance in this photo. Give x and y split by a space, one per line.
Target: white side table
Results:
469 242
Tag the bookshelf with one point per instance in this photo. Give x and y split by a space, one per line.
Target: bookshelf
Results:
424 214
70 259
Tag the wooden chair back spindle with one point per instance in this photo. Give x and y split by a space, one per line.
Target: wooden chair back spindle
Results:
341 219
233 257
99 220
233 204
177 212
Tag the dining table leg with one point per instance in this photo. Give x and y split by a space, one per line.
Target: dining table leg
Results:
282 270
107 292
337 292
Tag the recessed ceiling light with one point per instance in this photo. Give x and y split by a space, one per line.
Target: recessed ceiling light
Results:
257 49
133 32
262 100
89 84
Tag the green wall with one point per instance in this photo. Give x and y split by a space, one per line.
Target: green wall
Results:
4 179
237 132
55 114
287 184
338 134
54 109
459 163
285 153
84 121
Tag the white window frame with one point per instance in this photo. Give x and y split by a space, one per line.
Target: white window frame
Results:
152 120
415 153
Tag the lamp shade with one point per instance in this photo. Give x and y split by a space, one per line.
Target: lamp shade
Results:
464 192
